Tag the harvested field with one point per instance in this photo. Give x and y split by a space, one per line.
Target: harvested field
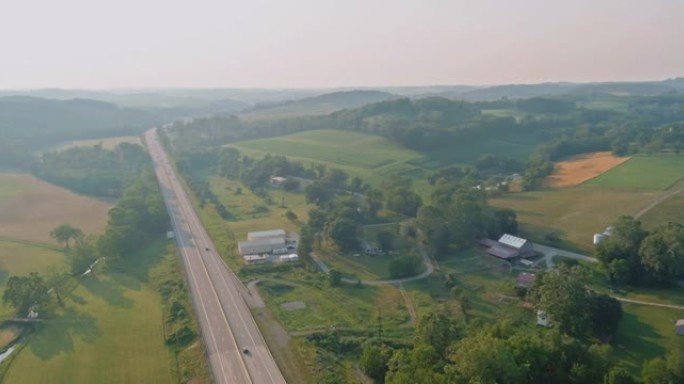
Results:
106 143
31 208
582 168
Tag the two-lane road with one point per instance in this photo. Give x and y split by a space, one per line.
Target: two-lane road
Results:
236 349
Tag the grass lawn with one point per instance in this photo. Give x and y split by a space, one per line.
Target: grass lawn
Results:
574 213
110 331
346 306
106 143
18 258
31 208
643 172
645 333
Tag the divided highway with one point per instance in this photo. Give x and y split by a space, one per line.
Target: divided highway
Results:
236 349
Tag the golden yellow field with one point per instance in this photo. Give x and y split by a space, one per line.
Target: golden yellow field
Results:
582 168
31 208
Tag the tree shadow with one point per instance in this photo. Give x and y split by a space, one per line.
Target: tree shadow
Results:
56 336
108 290
4 275
634 338
139 264
78 299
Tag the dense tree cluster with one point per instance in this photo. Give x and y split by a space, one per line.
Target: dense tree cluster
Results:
138 217
457 214
93 170
636 256
573 308
504 352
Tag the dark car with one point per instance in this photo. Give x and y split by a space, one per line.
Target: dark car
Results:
206 249
245 351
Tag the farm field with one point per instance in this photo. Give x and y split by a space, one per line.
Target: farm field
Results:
575 213
106 143
31 208
369 156
110 331
347 148
671 209
643 172
582 168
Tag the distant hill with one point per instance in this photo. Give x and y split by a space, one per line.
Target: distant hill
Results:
34 122
318 105
521 91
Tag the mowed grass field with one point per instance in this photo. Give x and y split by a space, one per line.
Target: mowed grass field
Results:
110 331
347 148
106 143
31 208
643 172
575 213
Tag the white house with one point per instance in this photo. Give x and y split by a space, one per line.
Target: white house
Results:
679 327
543 319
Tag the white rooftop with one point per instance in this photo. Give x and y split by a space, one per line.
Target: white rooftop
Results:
512 241
266 234
680 322
263 241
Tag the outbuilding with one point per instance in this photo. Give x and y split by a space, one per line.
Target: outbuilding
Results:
525 280
255 259
679 327
518 243
259 246
271 233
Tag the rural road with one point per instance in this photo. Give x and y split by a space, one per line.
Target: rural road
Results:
657 201
236 349
429 269
550 252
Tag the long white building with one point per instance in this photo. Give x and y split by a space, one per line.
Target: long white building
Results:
267 245
271 233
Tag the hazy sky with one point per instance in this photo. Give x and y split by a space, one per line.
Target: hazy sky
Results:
322 43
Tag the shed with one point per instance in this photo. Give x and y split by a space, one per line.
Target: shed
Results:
288 258
679 327
525 279
543 319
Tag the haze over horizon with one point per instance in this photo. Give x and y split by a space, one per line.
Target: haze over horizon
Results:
322 44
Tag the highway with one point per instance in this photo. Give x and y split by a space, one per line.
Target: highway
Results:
235 347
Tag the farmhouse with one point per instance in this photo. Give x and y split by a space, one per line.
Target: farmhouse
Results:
255 259
259 246
679 327
508 247
289 258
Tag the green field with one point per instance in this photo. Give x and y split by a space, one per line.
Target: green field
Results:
110 331
348 148
643 172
